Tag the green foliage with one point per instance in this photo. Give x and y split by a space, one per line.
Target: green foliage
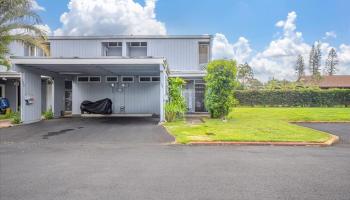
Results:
176 105
295 98
245 75
300 67
220 85
18 23
16 118
48 114
331 62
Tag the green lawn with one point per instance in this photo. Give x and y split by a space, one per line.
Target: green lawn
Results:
260 124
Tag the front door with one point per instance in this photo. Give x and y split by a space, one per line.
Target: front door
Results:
199 96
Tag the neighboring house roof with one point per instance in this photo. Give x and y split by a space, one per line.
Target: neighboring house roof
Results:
131 37
335 81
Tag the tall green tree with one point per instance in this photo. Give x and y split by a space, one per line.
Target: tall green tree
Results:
331 62
220 82
18 24
300 67
315 60
245 74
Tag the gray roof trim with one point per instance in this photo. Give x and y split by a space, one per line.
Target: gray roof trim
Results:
130 37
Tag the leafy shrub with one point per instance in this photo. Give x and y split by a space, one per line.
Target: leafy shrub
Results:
48 114
294 98
16 118
220 85
176 105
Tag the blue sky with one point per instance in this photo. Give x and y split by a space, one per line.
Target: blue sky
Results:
268 34
254 19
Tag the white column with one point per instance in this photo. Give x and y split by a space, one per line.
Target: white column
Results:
58 96
163 98
30 96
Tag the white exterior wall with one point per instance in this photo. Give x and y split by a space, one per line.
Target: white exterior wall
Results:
30 87
181 54
139 97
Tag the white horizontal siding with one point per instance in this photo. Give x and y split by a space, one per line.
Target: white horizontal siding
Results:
181 54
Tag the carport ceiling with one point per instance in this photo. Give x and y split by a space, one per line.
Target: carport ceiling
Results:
101 70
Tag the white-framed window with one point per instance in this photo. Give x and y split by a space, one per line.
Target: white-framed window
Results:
30 50
95 79
155 79
127 79
136 44
145 79
83 79
149 79
111 79
89 79
136 49
2 90
112 48
203 53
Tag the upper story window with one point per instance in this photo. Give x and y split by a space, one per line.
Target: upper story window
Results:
203 53
30 50
136 49
112 48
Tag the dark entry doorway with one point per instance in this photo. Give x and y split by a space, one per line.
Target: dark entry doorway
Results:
199 97
68 96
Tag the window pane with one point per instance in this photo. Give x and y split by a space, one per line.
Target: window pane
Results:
83 79
135 44
145 79
68 85
128 79
144 44
203 53
112 79
95 79
155 79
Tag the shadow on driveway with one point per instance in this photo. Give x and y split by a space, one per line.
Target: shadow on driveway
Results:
89 130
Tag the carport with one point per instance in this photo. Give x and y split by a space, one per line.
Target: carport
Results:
136 86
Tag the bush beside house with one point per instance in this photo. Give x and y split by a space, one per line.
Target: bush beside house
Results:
175 108
220 84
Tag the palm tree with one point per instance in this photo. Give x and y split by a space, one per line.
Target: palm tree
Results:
18 24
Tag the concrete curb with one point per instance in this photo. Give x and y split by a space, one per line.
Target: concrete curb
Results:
334 139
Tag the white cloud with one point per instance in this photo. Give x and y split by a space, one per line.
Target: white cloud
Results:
223 49
330 34
124 17
277 60
344 59
36 6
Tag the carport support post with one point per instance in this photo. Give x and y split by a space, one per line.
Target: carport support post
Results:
30 95
163 89
58 96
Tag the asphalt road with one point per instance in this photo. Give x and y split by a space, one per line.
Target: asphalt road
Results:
131 159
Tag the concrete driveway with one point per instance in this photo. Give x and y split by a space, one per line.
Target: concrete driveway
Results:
130 159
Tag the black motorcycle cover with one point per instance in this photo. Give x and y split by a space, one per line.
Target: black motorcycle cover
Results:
103 106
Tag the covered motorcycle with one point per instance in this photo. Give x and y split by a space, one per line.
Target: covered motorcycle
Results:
103 106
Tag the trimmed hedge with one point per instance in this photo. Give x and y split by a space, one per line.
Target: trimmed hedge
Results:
294 98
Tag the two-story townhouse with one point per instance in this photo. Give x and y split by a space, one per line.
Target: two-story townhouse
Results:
132 71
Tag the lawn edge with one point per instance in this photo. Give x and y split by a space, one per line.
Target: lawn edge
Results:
332 140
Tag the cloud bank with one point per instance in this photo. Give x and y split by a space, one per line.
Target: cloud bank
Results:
278 59
103 17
